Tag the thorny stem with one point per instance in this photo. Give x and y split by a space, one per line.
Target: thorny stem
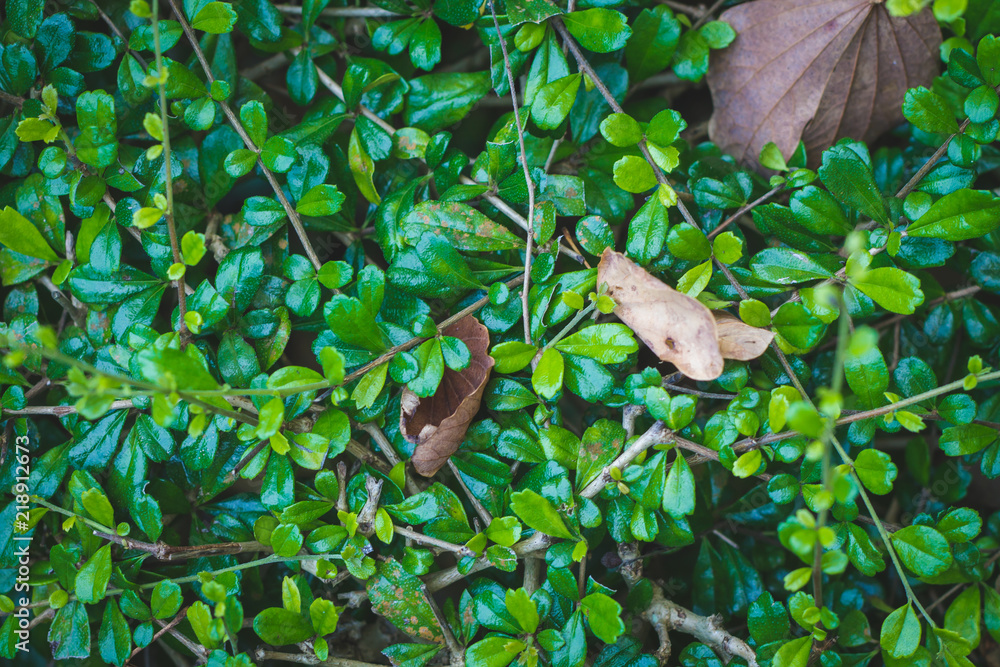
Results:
168 184
584 66
525 306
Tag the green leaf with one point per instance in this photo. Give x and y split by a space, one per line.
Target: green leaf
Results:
967 439
603 615
114 638
547 378
900 636
981 104
599 30
633 174
254 121
553 101
621 130
397 596
215 18
460 224
655 33
25 16
607 343
748 463
894 289
727 248
538 513
849 177
166 599
438 100
959 216
794 653
963 615
18 234
370 386
647 231
496 651
278 154
679 493
522 608
866 370
69 634
785 266
816 210
96 144
923 550
92 579
512 356
362 168
876 470
718 34
320 200
929 111
278 626
354 323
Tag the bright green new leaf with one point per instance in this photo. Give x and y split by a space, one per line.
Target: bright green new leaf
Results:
537 512
599 30
900 636
18 234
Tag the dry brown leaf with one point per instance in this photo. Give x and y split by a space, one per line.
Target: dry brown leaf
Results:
674 326
816 70
738 340
437 424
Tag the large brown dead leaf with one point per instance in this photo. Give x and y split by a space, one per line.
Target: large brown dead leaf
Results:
816 70
437 424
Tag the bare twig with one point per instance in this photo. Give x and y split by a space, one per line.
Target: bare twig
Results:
525 305
420 538
665 615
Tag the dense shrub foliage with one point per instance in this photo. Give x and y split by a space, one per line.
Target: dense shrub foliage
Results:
438 332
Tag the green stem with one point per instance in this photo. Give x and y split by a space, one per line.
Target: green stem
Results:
836 385
168 173
582 313
910 595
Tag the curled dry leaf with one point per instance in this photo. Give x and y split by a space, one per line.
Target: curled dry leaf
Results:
437 424
738 340
816 70
674 326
